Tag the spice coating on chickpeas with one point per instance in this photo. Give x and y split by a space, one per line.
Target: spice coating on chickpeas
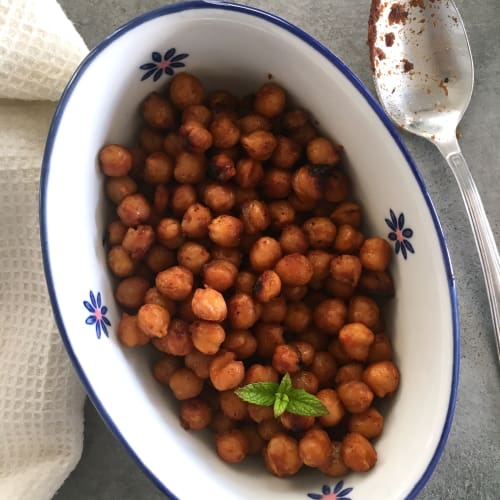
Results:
241 259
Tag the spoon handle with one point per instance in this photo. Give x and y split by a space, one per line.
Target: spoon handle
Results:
483 235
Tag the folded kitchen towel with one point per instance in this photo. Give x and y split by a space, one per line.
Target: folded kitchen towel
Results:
41 400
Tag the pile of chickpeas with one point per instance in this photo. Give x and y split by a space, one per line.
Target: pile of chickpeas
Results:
239 256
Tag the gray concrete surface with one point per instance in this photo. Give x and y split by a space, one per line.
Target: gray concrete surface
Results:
470 465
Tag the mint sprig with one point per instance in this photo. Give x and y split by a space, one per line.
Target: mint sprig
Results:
282 397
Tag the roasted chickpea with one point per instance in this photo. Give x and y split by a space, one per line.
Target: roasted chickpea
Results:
295 118
358 453
270 100
286 154
334 465
264 254
276 183
324 367
116 232
241 342
259 413
225 132
153 320
175 283
335 348
305 380
185 384
269 428
348 373
293 240
346 269
115 160
117 188
332 402
221 423
196 220
267 286
317 339
234 407
303 135
130 292
376 283
330 315
356 396
159 258
186 90
182 198
222 100
207 336
192 256
249 173
209 304
138 241
255 216
219 197
198 138
174 144
348 213
299 205
286 359
356 339
195 414
375 254
134 209
338 186
151 140
221 167
161 198
158 168
220 274
281 455
225 230
158 112
225 372
231 254
261 373
153 296
298 317
197 112
294 269
129 332
120 262
348 240
315 447
296 423
259 145
189 168
242 311
320 261
245 282
382 377
338 289
255 442
282 214
369 424
169 233
364 310
199 363
321 151
252 122
294 293
269 336
274 311
308 183
381 349
321 232
165 367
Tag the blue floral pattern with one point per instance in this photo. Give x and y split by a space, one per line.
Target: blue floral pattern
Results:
338 492
160 65
97 314
400 234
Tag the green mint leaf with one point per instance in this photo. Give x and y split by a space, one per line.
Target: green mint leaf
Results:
285 384
280 404
260 393
303 403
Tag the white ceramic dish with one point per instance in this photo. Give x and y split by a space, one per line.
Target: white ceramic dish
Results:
236 47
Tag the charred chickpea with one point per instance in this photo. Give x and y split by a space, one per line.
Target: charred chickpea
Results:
192 256
348 240
129 332
158 112
197 112
270 100
356 396
294 269
269 336
356 339
332 402
321 232
281 455
174 144
198 138
338 186
349 372
321 151
276 183
232 445
225 132
221 167
117 188
115 160
267 286
375 254
264 254
286 154
182 198
381 349
298 317
259 145
293 240
232 406
220 274
209 304
308 183
305 380
153 296
252 122
369 424
185 384
138 241
130 292
346 269
195 414
245 281
273 311
199 363
242 311
347 212
219 197
196 220
134 209
282 214
330 315
120 262
169 233
116 232
225 372
255 216
207 336
324 367
294 293
150 139
334 465
241 342
175 282
296 423
357 452
165 367
315 447
382 377
189 168
249 173
158 168
186 90
364 310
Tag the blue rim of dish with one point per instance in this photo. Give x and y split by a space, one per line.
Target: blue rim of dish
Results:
342 67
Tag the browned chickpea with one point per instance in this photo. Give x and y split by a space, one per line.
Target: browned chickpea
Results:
296 423
348 240
274 311
138 241
270 100
319 340
321 232
178 339
306 351
348 373
158 112
338 186
357 452
260 413
117 188
225 230
150 139
116 232
298 317
234 407
182 198
242 312
165 367
158 168
174 144
276 183
222 100
115 160
294 269
134 209
252 122
348 213
295 118
335 348
259 145
255 442
356 396
130 292
282 214
324 367
304 134
264 254
185 384
332 402
129 332
281 455
334 465
286 154
221 423
308 183
294 293
197 112
169 233
153 320
241 342
209 304
245 281
232 445
382 377
199 363
321 151
269 336
185 310
175 283
356 339
119 262
219 197
255 216
249 173
346 269
330 315
315 447
267 286
261 373
375 254
231 254
225 132
300 205
207 336
286 359
192 256
153 296
159 258
198 138
305 380
221 167
320 261
364 310
369 424
161 198
195 414
195 221
189 168
138 158
220 274
225 372
376 283
186 90
269 428
293 240
381 349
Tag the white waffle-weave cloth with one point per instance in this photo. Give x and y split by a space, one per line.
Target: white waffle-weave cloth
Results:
41 400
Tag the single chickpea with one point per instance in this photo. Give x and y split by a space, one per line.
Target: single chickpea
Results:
192 256
294 293
321 232
261 373
225 132
364 310
295 118
315 447
347 212
297 424
281 455
346 269
195 221
274 311
169 233
294 269
134 209
369 424
375 254
158 258
153 296
158 112
178 339
182 198
115 160
255 216
269 428
332 402
348 373
298 317
293 240
175 283
153 320
286 154
264 254
286 359
116 232
303 135
241 342
225 372
305 380
302 205
324 367
209 304
189 168
308 183
249 173
356 339
270 100
245 282
321 151
255 442
348 240
199 363
120 263
185 384
195 414
225 230
338 186
282 214
234 407
219 198
220 274
158 168
242 312
150 139
161 197
338 289
357 452
221 167
252 122
356 396
267 286
222 100
335 466
129 332
197 112
165 367
320 261
186 90
138 241
232 445
174 144
198 138
382 377
130 292
376 283
276 184
207 336
259 413
117 188
335 348
259 145
381 349
231 254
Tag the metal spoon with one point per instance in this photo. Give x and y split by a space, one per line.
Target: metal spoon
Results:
423 72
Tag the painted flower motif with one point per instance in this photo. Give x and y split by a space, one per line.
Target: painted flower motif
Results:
337 493
399 234
160 65
97 314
